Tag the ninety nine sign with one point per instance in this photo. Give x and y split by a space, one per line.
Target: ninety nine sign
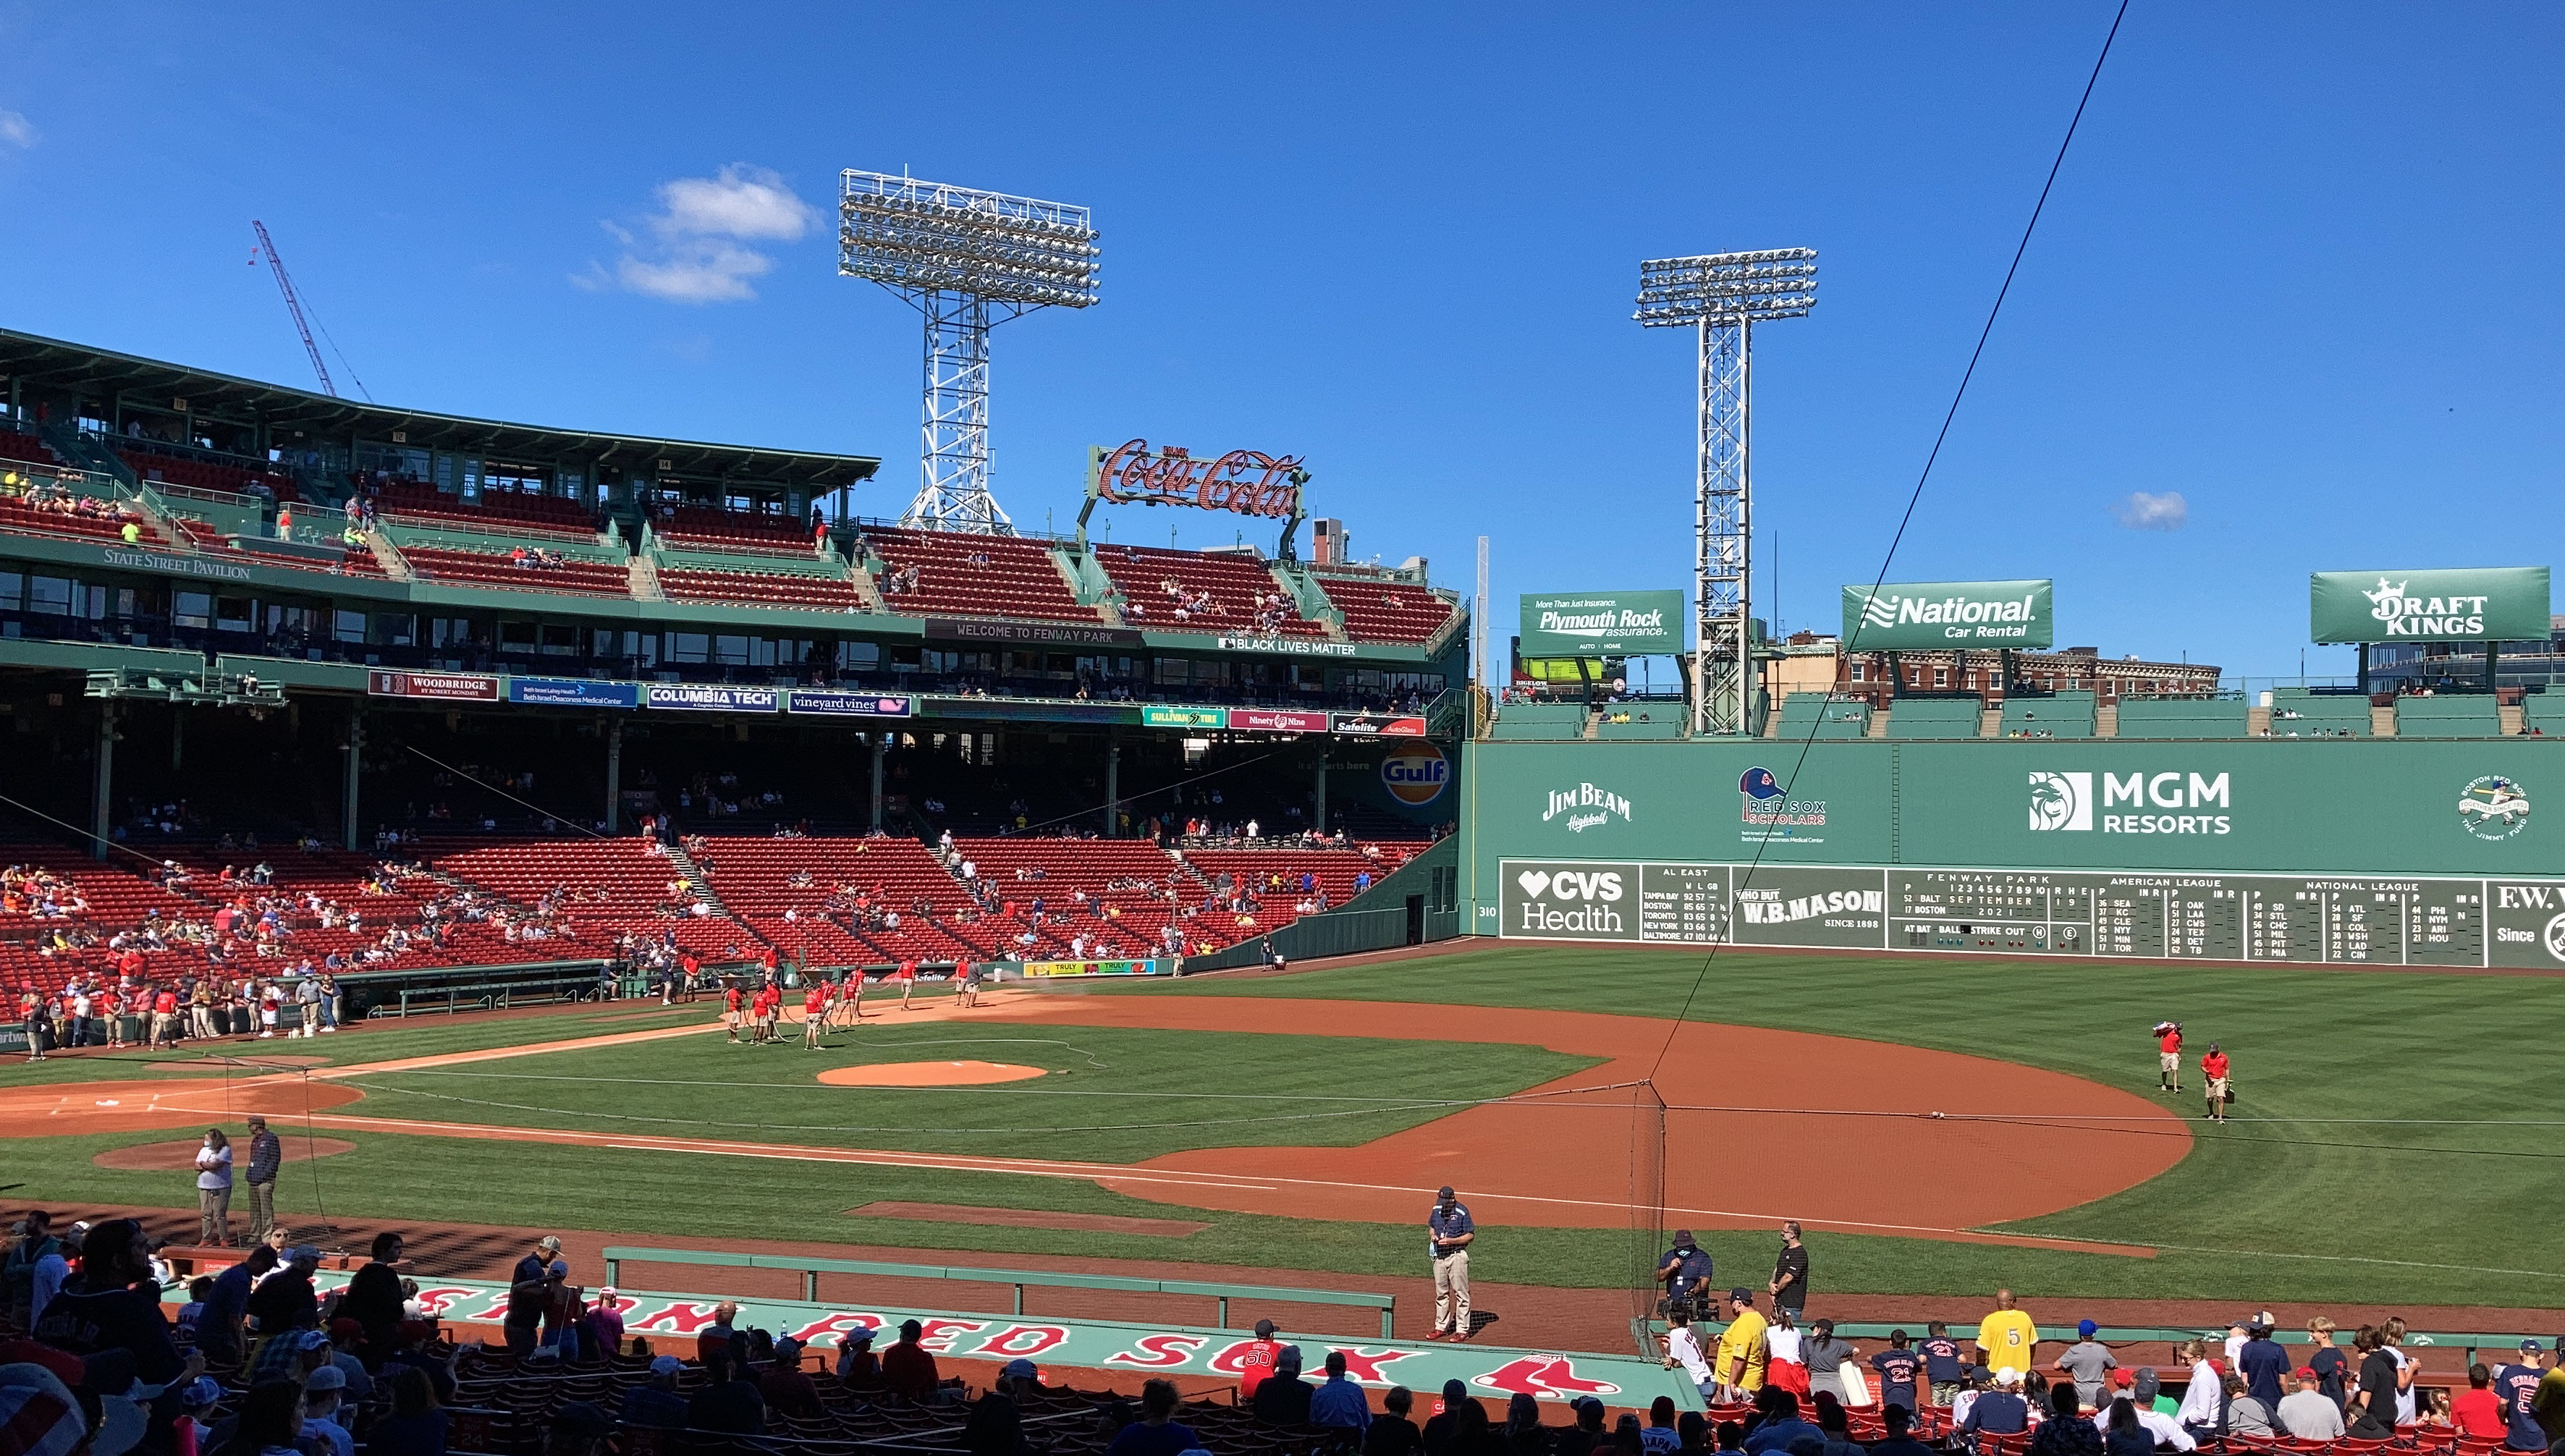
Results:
1916 615
1271 721
1591 623
1249 482
2483 603
449 685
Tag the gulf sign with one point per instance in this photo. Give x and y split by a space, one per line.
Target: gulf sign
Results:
1415 773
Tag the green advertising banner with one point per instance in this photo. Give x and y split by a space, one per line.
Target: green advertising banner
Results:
1161 715
1592 624
1918 615
2479 603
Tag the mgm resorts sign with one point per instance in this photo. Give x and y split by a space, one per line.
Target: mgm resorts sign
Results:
1923 615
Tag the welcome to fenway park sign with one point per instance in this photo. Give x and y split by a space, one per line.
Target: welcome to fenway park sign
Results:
1249 482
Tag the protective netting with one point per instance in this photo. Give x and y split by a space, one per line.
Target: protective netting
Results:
1647 1198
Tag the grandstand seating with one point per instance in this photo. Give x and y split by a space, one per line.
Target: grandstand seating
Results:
1233 583
708 528
358 563
2447 716
1387 611
2543 713
2299 713
1829 718
1021 870
16 446
512 510
1640 722
1934 717
17 515
794 590
2183 717
1540 722
617 887
2067 714
1275 876
1017 578
205 475
453 566
752 875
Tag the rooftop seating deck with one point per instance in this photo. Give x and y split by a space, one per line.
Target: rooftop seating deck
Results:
1386 612
1180 590
974 576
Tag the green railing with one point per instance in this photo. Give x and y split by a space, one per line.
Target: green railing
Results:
1020 1279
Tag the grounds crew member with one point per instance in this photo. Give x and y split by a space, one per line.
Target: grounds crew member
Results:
1448 1234
2212 1067
2168 1055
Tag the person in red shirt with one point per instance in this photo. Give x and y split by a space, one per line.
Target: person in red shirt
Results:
2476 1411
164 1018
1255 1361
850 992
815 1013
907 984
2168 1055
907 1368
2212 1066
730 1010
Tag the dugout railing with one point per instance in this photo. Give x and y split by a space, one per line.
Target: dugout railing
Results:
1220 1293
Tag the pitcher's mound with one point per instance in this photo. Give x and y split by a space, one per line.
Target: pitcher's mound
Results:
927 1074
162 1157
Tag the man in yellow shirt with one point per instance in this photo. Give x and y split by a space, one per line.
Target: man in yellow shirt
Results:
2007 1336
1742 1349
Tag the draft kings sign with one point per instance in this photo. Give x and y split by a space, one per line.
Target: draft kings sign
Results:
2471 605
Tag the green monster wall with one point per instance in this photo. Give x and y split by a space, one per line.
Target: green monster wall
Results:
2357 850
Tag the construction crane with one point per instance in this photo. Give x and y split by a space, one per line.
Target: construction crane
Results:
294 306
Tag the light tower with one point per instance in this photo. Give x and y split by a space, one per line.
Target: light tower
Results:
967 259
1724 296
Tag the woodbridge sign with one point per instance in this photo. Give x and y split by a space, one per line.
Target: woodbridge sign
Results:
2481 603
1592 624
1916 615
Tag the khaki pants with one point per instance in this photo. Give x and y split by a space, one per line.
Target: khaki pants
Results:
214 1216
262 1210
1452 1286
201 1022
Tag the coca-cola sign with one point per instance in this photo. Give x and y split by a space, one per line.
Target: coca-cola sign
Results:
1249 482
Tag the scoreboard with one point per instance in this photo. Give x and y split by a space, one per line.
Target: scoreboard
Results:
2150 915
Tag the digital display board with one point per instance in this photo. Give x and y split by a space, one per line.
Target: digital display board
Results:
2144 915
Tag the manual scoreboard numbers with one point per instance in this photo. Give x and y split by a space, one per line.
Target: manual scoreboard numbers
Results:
2341 920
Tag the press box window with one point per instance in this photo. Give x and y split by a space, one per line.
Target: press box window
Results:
186 608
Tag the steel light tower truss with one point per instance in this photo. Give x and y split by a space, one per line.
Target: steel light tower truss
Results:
1722 297
967 259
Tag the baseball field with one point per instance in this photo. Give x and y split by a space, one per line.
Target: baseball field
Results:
1942 1126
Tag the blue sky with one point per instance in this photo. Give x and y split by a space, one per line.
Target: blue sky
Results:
2301 270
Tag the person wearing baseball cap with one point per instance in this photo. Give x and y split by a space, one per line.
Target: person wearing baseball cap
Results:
1743 1351
2516 1386
2308 1414
655 1402
1448 1235
530 1294
2262 1363
2088 1362
322 1389
1255 1359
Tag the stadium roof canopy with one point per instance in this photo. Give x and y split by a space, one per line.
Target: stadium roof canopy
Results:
35 367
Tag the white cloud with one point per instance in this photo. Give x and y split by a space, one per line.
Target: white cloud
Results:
16 129
2146 511
696 250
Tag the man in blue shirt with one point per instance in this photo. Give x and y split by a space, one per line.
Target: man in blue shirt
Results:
1685 1270
1340 1402
2516 1386
2263 1365
2000 1411
1448 1235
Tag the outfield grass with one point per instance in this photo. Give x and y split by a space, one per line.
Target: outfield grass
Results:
1112 1094
2415 1198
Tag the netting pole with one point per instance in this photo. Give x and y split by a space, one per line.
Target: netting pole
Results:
1647 1202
